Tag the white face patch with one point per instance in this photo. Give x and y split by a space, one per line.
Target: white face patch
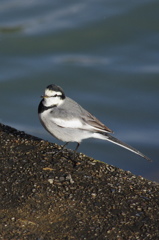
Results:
52 98
50 93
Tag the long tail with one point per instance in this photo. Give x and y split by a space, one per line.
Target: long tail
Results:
124 145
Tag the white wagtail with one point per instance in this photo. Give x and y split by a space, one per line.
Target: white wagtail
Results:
67 121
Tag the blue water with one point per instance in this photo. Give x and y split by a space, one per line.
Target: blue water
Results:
104 54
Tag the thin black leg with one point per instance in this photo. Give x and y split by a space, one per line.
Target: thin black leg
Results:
64 145
78 144
62 148
74 155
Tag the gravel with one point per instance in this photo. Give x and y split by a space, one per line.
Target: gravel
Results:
51 195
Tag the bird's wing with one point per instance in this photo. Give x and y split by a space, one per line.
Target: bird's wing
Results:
86 122
70 123
77 117
94 123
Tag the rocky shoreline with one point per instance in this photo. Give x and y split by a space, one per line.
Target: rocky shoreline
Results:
49 196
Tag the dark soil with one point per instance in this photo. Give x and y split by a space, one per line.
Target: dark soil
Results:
54 196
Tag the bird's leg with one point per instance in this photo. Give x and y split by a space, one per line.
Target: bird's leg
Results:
62 148
74 155
78 144
64 145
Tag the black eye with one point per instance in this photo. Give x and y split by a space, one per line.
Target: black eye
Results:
56 95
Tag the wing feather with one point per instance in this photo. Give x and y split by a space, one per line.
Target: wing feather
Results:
95 123
77 117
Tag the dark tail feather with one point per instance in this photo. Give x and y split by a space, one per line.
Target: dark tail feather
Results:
124 145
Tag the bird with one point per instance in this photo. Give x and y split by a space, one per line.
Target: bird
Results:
68 121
